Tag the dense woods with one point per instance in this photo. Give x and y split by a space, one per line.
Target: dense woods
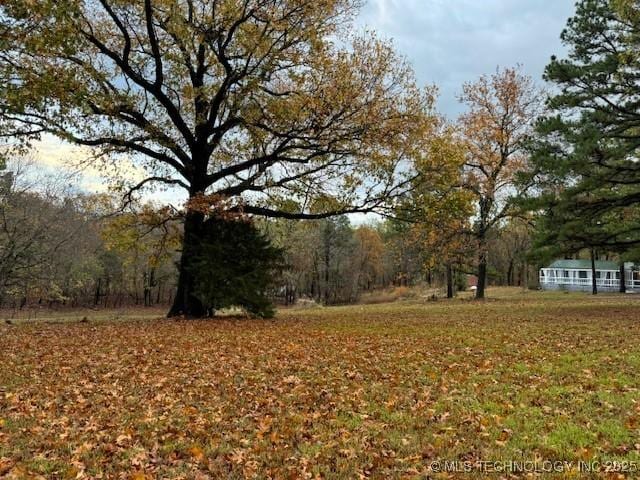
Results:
63 247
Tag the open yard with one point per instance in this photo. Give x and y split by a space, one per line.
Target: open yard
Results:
381 391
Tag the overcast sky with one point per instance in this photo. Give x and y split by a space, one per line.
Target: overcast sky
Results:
449 42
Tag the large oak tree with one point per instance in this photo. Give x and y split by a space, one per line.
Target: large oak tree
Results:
268 107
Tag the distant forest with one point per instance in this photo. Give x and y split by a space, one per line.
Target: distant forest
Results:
67 248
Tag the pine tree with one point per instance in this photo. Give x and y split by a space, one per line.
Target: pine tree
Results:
585 156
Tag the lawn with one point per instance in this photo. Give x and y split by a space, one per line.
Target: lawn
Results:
379 391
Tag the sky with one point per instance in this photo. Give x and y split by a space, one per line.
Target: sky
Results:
448 42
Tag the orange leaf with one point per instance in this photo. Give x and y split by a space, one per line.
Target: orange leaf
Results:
197 453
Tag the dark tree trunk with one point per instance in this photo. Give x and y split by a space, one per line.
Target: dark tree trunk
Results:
481 235
185 301
510 281
293 296
482 277
96 298
482 270
450 291
146 290
327 258
594 280
623 286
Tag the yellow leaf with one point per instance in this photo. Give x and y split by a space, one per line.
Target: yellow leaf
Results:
139 476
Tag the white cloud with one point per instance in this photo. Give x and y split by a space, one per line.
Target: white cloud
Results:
56 156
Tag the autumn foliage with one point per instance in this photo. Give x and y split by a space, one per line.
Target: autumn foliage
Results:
501 112
274 105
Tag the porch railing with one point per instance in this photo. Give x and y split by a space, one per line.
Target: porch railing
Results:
600 282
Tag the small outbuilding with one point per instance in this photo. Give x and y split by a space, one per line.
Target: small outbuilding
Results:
575 275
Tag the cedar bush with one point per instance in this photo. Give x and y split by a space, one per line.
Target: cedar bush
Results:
236 265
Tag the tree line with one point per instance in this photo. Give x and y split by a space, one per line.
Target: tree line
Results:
64 248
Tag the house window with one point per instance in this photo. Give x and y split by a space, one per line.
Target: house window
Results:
565 273
582 274
617 275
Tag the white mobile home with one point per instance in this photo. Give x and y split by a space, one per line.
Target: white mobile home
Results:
575 275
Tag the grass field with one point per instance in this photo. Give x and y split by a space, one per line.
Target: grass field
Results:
379 391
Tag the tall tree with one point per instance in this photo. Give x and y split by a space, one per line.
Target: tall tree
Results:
369 256
501 111
437 207
585 157
269 107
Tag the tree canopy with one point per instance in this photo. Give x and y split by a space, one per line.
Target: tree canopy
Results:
269 100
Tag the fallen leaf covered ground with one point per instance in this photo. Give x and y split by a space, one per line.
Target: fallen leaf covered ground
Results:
380 391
